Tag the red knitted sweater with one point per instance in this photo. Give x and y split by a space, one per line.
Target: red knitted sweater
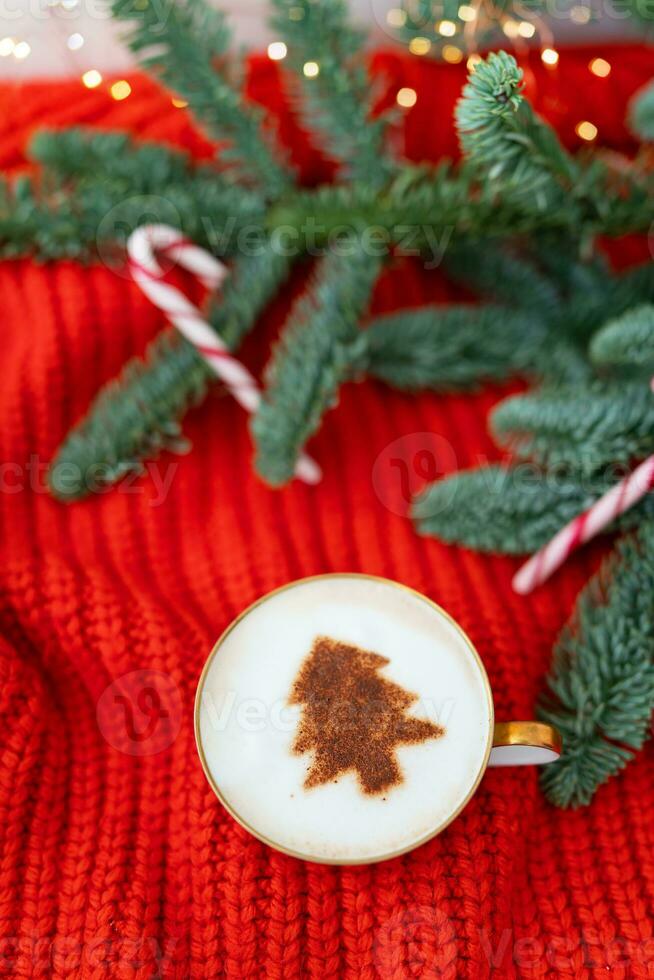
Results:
125 865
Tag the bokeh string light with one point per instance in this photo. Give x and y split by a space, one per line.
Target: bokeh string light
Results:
91 78
426 26
277 51
406 97
470 15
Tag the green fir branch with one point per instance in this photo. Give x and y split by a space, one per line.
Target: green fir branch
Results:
336 101
252 282
60 229
627 342
601 686
494 269
186 44
132 418
508 510
119 186
138 414
431 212
584 427
92 161
610 297
500 133
640 114
454 346
82 153
320 348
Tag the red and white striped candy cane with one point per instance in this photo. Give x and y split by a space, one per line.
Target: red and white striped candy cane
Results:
146 272
585 526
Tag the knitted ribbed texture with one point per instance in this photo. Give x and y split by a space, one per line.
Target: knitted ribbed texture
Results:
125 865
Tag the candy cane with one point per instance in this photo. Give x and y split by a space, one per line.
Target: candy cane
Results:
146 273
585 526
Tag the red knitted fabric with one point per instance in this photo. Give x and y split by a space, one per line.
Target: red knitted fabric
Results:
125 865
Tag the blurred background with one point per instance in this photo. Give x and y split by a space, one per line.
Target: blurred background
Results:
54 38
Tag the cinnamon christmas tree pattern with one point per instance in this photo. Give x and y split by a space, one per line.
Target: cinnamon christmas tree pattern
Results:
353 717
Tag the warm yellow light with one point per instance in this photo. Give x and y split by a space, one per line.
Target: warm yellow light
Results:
396 17
311 69
510 28
467 12
549 56
586 130
277 51
419 45
21 50
473 61
406 97
91 78
600 67
120 90
526 29
6 46
447 28
452 54
179 103
580 15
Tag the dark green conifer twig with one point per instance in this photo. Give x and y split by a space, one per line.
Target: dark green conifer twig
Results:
601 685
500 132
454 346
186 44
641 113
510 510
336 100
321 347
627 342
582 426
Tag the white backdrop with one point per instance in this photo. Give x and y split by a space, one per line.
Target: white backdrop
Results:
68 37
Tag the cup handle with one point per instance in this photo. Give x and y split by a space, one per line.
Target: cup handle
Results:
525 743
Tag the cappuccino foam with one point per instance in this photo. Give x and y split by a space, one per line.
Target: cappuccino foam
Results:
298 754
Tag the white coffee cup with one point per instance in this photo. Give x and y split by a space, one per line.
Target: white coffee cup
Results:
346 719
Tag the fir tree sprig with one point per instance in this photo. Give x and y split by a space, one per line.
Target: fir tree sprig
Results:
336 93
454 346
584 427
133 418
509 510
606 297
119 185
641 113
627 342
182 43
494 270
321 347
431 210
62 228
601 686
500 132
82 153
